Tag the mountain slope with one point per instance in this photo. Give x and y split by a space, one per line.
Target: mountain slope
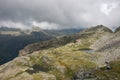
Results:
12 39
118 29
95 32
56 63
109 46
108 49
10 45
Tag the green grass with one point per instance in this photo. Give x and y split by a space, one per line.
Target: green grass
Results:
71 57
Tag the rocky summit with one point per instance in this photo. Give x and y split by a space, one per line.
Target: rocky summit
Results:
92 54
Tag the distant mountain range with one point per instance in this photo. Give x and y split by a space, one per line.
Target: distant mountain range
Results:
12 39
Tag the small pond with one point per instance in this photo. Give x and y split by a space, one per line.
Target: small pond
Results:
87 50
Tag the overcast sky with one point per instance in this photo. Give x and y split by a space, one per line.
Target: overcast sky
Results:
53 14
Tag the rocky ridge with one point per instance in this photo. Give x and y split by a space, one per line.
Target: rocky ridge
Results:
58 62
60 41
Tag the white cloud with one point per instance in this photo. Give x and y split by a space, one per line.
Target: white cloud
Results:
106 8
45 25
13 24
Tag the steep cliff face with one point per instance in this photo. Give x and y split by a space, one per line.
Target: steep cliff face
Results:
56 59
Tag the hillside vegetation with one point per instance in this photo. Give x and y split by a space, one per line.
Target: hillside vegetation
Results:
73 59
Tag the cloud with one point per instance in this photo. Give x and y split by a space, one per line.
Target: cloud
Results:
107 8
53 14
45 25
11 24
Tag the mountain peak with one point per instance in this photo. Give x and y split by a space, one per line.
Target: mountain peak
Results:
99 28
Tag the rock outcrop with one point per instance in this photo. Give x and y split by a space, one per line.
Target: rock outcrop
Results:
108 46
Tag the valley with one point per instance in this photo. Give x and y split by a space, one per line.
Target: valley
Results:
12 40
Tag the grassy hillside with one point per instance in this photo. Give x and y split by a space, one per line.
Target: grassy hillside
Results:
57 63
